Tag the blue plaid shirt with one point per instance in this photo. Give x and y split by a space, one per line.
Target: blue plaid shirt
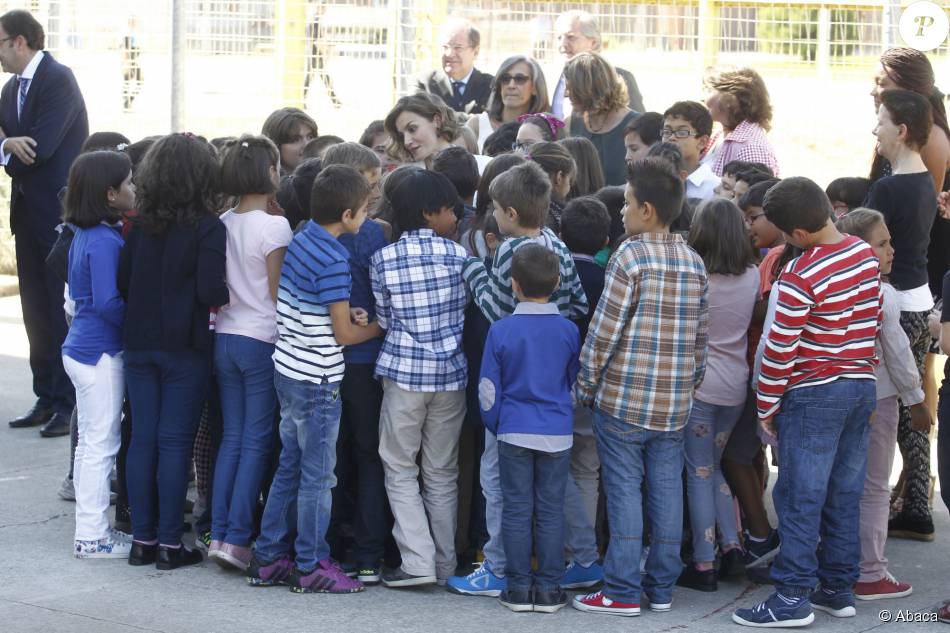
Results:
420 302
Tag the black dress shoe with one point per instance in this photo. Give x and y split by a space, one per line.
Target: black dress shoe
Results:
57 426
175 557
142 554
34 417
692 578
549 601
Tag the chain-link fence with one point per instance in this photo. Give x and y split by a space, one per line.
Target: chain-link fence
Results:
346 61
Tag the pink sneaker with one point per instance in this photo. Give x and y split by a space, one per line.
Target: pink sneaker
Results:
886 587
232 556
326 577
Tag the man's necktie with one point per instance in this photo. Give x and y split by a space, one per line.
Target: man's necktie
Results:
457 92
24 82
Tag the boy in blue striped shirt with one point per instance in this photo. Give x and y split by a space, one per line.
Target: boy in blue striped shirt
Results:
314 322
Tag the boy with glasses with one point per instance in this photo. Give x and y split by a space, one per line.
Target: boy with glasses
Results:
689 125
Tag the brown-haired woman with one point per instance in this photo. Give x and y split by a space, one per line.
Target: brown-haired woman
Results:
600 113
739 101
290 129
420 126
519 88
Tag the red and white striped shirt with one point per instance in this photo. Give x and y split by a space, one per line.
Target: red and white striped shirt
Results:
828 314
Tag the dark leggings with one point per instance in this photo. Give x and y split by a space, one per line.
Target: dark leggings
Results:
943 437
915 445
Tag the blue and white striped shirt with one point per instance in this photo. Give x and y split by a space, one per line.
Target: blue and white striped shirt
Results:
420 302
316 274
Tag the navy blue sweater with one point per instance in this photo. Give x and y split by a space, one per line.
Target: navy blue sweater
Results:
528 370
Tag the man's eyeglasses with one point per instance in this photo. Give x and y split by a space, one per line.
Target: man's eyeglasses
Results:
519 80
680 133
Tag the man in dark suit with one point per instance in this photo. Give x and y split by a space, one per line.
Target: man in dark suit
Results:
577 32
44 123
459 83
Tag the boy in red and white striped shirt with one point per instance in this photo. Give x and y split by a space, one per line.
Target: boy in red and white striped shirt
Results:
816 393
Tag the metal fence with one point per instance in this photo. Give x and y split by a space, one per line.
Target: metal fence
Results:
346 61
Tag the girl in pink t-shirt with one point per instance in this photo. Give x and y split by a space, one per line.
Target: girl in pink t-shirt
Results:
245 334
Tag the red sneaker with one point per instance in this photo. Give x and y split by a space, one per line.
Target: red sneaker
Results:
943 613
886 587
599 603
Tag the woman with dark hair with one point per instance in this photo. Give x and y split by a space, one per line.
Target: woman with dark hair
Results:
519 88
739 101
589 178
718 234
420 126
290 129
172 277
908 200
600 112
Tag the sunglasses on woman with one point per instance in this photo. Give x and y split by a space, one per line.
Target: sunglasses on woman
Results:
520 80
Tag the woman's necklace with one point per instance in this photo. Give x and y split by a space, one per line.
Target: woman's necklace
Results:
590 125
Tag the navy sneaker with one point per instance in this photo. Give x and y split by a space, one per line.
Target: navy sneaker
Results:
777 611
577 576
758 553
838 603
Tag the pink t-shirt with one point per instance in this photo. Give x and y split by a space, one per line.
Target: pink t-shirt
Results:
252 236
731 300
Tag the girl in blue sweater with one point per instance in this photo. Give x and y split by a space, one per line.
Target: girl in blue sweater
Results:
98 192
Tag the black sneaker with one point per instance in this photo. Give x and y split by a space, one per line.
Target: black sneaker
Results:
518 600
548 601
142 554
692 578
731 564
368 574
174 557
903 526
397 578
758 553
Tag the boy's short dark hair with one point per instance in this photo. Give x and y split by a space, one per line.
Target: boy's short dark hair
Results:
694 113
648 126
612 197
851 191
336 189
536 269
316 147
526 189
654 180
418 192
752 175
755 196
500 141
245 166
293 194
585 225
797 203
734 166
670 152
459 166
19 22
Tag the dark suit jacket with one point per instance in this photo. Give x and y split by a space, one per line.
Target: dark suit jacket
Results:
473 100
54 115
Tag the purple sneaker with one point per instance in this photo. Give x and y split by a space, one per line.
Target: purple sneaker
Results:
263 574
327 577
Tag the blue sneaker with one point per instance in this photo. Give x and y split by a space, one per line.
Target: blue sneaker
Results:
481 582
777 611
579 577
838 603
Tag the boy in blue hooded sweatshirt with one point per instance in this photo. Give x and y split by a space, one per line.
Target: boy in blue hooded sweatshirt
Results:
525 400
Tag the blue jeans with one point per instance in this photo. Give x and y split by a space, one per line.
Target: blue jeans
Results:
822 448
248 404
532 485
309 424
166 391
707 493
628 456
490 480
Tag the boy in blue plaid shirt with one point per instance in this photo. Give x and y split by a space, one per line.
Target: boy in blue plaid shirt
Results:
644 355
420 302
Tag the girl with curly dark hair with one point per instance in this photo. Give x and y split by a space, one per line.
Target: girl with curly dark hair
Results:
739 101
172 277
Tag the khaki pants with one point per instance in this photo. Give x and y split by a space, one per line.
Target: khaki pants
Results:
411 422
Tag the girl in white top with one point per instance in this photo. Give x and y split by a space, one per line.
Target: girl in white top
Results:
245 334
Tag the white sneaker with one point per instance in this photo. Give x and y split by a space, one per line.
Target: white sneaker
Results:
106 547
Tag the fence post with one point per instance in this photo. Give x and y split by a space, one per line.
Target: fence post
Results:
709 31
823 54
292 50
179 42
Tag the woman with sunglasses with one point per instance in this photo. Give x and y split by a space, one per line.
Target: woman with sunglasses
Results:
519 89
599 111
